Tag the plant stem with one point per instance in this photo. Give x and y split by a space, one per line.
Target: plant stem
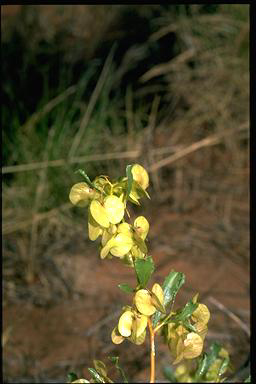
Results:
152 352
163 323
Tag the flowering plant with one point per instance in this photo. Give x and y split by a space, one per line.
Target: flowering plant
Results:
183 330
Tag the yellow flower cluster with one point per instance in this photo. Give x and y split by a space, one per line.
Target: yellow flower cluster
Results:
106 208
133 321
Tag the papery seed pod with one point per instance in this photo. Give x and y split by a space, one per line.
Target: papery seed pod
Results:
139 324
138 340
106 236
121 245
201 329
201 314
143 302
142 226
106 249
157 290
125 323
193 346
80 194
171 332
180 330
94 230
99 213
140 175
116 337
114 208
112 229
125 228
179 350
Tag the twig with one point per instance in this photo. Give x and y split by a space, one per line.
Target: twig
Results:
230 314
85 159
13 227
208 141
152 352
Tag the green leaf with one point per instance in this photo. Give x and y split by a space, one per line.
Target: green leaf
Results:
224 366
72 376
214 352
248 380
169 374
171 286
186 323
185 312
144 269
115 361
88 181
207 360
202 366
125 288
96 376
129 179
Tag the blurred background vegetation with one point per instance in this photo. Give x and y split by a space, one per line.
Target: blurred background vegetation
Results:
101 86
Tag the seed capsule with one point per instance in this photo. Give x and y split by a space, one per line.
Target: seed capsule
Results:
140 175
125 323
99 213
143 302
114 208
